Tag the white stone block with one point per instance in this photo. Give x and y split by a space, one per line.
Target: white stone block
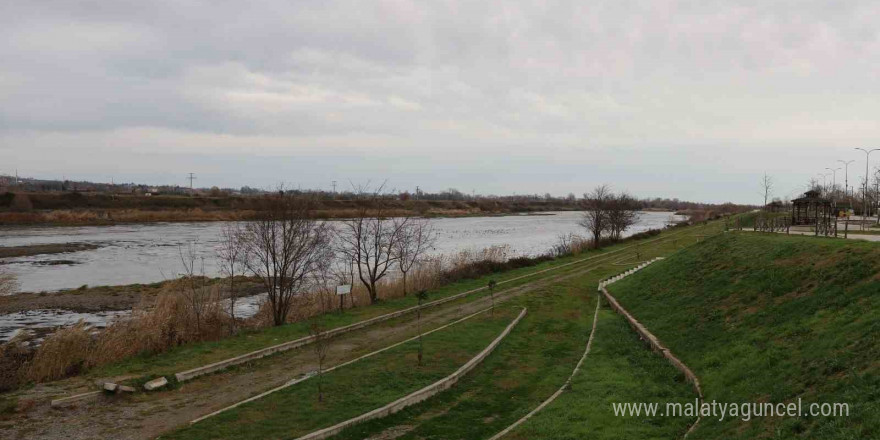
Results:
155 383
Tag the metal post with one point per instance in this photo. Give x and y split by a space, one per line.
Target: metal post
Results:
865 195
833 182
846 179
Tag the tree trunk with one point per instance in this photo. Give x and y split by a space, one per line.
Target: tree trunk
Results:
374 296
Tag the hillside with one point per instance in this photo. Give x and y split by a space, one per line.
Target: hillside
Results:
771 318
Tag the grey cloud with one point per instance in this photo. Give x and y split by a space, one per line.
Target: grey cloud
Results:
409 77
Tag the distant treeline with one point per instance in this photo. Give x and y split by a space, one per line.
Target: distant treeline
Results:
75 207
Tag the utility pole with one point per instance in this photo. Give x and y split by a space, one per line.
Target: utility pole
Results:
865 195
191 178
334 187
418 192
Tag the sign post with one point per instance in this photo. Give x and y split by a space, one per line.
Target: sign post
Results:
342 290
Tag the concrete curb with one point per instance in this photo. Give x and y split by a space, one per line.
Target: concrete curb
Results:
657 346
75 398
420 395
561 389
187 375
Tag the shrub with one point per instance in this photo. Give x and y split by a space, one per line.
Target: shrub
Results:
14 358
62 354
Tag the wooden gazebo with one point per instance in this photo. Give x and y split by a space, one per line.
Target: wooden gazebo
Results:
811 209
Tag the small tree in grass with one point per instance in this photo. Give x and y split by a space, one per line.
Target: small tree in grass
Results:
320 347
491 287
422 295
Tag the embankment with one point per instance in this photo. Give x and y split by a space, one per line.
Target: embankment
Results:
771 318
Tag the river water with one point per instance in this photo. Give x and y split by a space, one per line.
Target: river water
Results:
145 253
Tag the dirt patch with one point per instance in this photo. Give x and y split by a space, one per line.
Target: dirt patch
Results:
392 432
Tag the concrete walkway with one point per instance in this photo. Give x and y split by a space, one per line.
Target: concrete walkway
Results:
851 236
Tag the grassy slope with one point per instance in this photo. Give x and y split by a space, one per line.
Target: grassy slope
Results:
355 389
193 355
618 369
771 318
534 363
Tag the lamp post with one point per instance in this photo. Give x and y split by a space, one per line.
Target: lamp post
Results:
824 181
833 182
846 176
865 195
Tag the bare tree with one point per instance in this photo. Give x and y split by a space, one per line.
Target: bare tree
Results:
285 247
595 218
369 241
319 346
231 255
766 188
623 212
415 239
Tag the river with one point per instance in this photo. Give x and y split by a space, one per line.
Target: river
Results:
145 253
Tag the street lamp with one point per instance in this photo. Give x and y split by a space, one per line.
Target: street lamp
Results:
867 157
833 181
824 182
846 176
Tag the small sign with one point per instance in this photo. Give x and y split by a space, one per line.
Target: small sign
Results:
344 289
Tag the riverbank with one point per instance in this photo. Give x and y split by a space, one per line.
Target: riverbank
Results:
77 209
88 299
557 294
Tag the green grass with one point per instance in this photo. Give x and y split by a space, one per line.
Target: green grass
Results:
355 389
618 369
193 355
535 360
771 318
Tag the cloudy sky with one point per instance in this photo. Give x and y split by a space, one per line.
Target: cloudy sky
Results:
694 100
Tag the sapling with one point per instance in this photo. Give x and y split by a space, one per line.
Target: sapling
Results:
491 287
320 347
421 295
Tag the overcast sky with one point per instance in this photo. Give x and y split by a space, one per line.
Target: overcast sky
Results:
694 100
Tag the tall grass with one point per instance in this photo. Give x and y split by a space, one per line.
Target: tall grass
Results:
153 327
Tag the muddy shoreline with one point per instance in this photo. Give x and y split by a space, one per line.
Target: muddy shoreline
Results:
45 249
102 298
